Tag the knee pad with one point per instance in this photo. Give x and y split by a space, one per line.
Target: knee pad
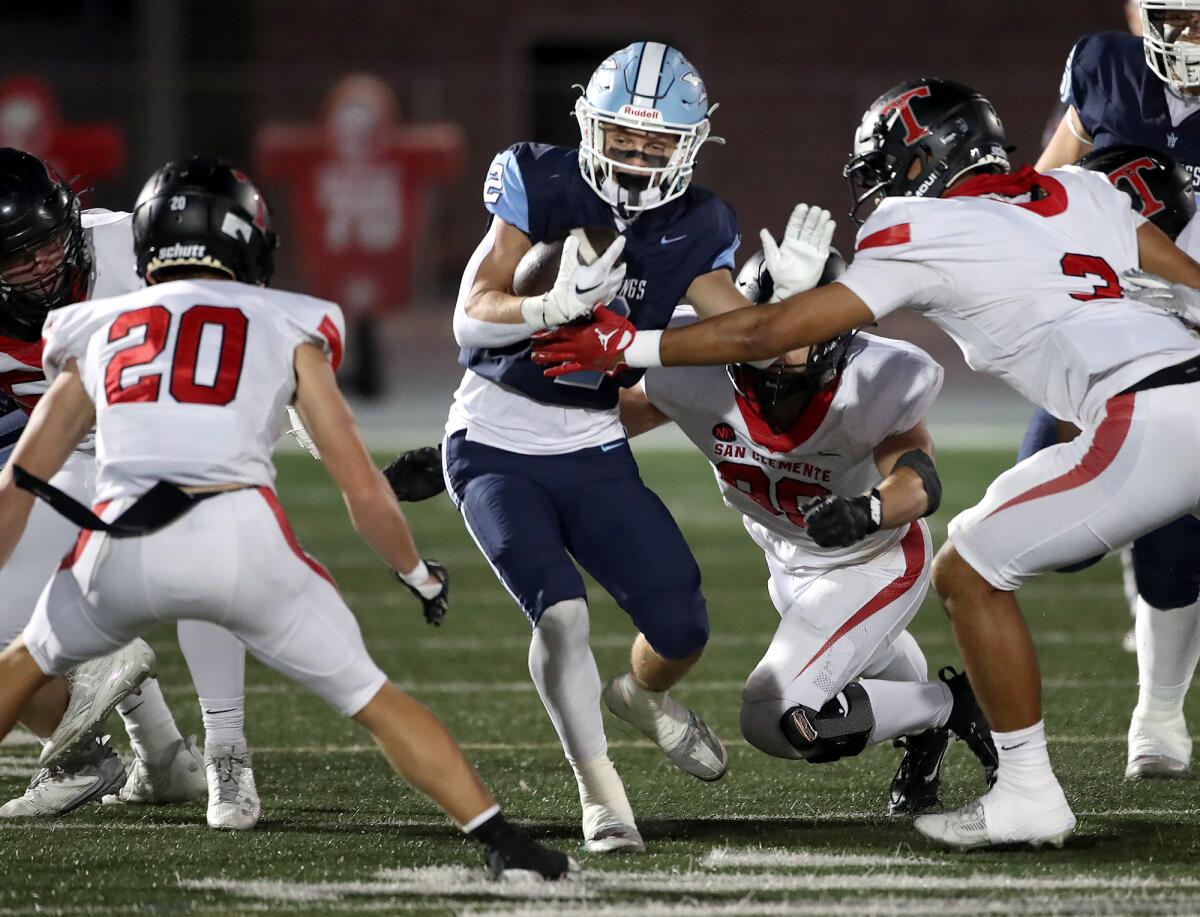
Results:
835 731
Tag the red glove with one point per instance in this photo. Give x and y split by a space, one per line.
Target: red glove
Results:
598 345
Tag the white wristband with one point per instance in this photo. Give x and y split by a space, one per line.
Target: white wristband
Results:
417 576
533 310
643 352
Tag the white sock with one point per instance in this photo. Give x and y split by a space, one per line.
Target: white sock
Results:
1168 646
600 784
903 707
152 730
564 671
224 720
1024 761
655 713
215 658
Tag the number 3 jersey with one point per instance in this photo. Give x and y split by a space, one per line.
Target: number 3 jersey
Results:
885 388
190 378
1023 272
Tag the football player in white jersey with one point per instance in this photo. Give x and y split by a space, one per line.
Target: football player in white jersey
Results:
1023 271
186 382
51 254
810 450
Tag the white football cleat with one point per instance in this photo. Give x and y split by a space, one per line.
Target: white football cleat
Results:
1159 747
695 749
1000 817
55 791
232 796
96 687
604 832
182 780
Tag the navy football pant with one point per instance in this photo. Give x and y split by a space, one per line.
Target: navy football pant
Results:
530 514
1166 562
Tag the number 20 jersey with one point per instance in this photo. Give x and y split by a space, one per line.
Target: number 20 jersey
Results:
1023 272
886 388
190 378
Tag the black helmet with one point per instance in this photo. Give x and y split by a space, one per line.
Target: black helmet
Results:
201 212
1160 188
37 209
781 392
945 127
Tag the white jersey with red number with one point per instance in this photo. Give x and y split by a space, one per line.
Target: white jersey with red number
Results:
886 388
108 236
190 379
1027 282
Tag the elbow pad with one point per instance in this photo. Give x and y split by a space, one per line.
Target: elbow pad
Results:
922 464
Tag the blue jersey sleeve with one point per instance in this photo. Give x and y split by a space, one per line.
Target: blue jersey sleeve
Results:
1091 66
1066 89
504 191
728 238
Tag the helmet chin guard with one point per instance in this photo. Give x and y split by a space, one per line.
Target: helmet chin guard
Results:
647 86
1173 61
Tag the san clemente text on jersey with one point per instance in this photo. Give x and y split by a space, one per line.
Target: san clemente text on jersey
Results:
804 469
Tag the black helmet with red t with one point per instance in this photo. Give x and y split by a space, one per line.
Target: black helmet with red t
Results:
44 261
1159 187
920 137
202 214
781 392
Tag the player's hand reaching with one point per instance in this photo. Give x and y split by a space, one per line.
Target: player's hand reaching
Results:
796 264
838 522
432 591
599 345
578 288
1153 290
417 474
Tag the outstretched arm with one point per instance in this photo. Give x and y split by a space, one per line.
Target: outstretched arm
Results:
61 419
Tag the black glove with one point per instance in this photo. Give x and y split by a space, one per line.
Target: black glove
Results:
417 474
435 608
838 522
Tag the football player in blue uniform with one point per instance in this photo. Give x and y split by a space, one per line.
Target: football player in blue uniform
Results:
540 468
1122 89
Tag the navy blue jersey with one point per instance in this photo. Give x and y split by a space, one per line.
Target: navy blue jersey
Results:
538 189
1120 100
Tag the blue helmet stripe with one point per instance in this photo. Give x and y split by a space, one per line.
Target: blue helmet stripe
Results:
645 90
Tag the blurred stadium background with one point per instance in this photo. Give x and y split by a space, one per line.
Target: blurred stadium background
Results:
162 78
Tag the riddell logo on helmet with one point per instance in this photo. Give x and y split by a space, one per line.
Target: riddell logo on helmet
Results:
645 114
182 250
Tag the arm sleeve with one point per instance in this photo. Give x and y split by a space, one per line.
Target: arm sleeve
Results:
887 284
729 239
1066 89
504 192
471 332
319 322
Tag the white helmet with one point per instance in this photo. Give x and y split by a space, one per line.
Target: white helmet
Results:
1175 61
647 86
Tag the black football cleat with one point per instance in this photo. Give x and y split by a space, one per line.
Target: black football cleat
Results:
513 856
968 722
915 786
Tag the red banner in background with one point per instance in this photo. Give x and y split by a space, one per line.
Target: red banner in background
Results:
31 120
358 183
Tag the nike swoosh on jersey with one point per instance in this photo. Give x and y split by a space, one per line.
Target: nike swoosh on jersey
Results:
667 241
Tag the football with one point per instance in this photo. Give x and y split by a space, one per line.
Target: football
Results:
536 271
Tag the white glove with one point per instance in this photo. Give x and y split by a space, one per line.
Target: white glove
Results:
798 263
300 434
578 289
1152 290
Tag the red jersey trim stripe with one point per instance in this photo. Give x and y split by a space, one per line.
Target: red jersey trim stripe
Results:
899 234
73 555
913 546
329 330
1106 444
290 536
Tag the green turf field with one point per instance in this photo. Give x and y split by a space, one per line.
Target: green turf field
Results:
774 837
